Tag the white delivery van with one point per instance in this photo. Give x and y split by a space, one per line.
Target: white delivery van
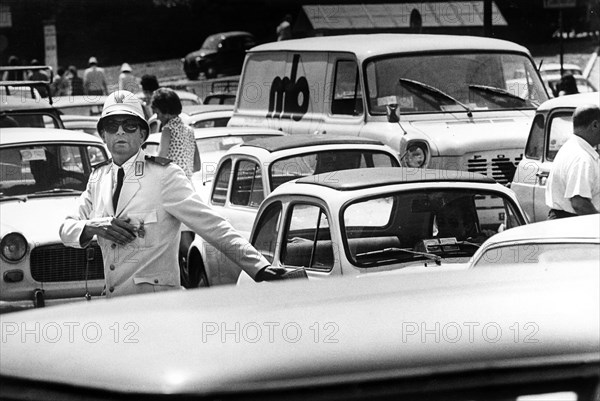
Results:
441 101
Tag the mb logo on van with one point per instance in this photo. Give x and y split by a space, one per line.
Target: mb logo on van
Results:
289 97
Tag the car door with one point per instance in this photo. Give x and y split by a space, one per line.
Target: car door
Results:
558 128
526 176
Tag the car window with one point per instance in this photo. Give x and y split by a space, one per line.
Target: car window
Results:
219 194
560 128
265 238
347 96
46 169
289 168
307 238
535 143
537 253
37 119
403 227
213 122
247 187
87 110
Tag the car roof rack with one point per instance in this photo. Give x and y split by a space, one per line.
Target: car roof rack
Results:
224 85
27 83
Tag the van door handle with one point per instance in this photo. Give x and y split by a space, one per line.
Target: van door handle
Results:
543 174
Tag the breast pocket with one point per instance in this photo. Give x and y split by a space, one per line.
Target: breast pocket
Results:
146 224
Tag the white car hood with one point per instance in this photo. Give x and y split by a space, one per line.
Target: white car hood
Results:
450 137
38 219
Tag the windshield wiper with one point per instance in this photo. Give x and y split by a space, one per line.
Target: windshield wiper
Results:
56 191
435 91
498 91
437 259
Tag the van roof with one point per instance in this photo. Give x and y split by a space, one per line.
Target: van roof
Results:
365 46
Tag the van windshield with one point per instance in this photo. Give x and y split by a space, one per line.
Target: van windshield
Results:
480 81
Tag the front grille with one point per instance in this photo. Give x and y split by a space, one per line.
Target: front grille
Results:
56 263
500 168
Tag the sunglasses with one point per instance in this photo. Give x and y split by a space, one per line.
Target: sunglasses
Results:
130 125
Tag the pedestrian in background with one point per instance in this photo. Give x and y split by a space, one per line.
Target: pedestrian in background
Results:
76 81
567 85
94 79
149 85
134 205
128 81
13 61
573 186
60 85
39 75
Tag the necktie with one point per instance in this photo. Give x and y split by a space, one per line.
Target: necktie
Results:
120 175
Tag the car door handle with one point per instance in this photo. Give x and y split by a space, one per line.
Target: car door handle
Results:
543 174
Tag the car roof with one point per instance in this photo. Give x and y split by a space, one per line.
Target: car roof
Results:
24 103
304 140
231 33
365 320
580 227
365 46
570 101
349 180
214 132
77 101
556 66
206 108
14 136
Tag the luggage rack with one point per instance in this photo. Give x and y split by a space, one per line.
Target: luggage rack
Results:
9 86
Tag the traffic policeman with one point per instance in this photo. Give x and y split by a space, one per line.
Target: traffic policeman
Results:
134 205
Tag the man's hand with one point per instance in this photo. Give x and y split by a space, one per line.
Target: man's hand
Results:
114 229
271 273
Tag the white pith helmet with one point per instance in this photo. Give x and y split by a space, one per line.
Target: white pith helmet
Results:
124 103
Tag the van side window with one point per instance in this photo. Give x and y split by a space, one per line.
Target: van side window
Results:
347 95
535 144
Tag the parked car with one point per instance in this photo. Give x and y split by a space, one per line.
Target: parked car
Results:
354 222
222 91
473 117
84 105
583 84
209 116
554 69
43 173
550 129
86 124
482 334
221 53
572 240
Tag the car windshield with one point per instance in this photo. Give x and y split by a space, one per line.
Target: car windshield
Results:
442 224
480 81
535 254
289 168
46 169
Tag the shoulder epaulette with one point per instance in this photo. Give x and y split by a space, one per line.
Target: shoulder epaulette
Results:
163 161
104 163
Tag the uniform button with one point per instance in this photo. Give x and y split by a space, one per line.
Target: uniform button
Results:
155 281
111 289
112 267
113 246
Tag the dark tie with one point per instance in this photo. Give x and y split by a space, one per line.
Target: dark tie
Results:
120 175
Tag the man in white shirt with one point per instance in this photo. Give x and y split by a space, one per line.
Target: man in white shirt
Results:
574 182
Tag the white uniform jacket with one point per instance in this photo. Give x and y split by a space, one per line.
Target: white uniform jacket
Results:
157 197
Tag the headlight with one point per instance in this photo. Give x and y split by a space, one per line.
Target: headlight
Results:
416 155
14 247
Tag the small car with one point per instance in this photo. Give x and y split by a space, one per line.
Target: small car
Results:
246 174
209 115
583 84
43 173
571 240
554 69
479 335
86 124
222 91
84 105
550 128
221 53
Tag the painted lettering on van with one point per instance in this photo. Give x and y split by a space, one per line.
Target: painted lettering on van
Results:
284 95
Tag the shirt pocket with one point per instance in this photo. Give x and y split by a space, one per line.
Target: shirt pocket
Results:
157 282
146 224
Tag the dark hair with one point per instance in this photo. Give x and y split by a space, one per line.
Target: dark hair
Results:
149 82
568 84
585 115
166 100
